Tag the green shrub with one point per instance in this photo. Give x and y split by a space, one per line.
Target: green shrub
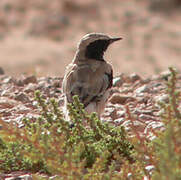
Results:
164 152
87 148
52 145
168 144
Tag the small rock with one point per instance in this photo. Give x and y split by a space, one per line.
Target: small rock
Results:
4 93
30 79
141 98
140 95
5 112
30 88
8 80
1 71
58 91
56 83
126 124
165 75
114 90
18 118
22 97
150 168
21 109
162 98
157 84
120 99
19 82
120 113
117 81
134 77
43 85
142 89
112 113
5 102
146 117
146 81
155 77
125 89
119 120
24 177
142 111
54 177
154 125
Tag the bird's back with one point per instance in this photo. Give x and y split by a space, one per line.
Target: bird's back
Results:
88 80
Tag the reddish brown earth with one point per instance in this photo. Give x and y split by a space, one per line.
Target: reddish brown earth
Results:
40 37
141 96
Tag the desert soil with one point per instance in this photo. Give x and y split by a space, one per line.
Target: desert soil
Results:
132 93
40 37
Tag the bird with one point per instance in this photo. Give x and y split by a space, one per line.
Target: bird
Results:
89 75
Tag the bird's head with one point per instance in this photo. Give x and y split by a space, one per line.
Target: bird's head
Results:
93 45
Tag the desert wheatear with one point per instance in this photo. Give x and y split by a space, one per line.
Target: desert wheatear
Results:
89 76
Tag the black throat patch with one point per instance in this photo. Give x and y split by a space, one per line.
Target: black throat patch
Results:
96 49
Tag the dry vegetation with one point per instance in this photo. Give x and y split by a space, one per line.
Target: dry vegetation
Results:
136 138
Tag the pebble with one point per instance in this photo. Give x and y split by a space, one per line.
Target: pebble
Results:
30 79
19 82
56 83
140 95
120 99
5 102
112 113
30 88
126 124
119 120
8 80
5 112
134 77
4 92
114 90
22 97
120 113
165 75
117 82
21 109
157 84
22 177
139 111
153 125
54 177
142 89
146 117
138 125
164 98
150 168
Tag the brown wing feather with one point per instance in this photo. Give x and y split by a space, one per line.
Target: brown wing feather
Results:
86 82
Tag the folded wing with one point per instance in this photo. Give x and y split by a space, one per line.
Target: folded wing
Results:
88 84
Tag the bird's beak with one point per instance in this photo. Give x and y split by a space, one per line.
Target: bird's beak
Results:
115 39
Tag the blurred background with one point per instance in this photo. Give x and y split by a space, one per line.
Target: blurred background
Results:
40 36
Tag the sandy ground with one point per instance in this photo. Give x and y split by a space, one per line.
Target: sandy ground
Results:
151 41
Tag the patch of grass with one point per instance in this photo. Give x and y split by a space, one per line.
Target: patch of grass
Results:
52 145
